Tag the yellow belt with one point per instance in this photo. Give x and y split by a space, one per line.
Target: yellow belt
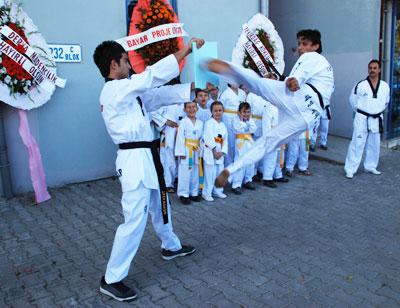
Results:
230 111
281 155
193 145
307 140
256 117
243 137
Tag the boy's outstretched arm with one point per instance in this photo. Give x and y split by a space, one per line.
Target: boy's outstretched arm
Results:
182 53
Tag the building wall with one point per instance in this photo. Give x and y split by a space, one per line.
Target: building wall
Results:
69 130
350 36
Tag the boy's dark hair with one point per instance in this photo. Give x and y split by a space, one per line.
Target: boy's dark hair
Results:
198 90
312 35
244 106
105 53
216 103
375 61
184 104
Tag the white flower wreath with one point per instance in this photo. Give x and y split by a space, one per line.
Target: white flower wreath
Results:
257 23
32 96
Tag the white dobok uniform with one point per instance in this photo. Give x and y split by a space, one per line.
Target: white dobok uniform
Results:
126 121
188 145
297 110
323 127
368 105
203 114
231 102
271 162
215 136
243 131
297 153
168 135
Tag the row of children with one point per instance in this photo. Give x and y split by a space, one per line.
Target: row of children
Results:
212 131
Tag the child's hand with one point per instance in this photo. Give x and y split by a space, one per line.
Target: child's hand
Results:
292 84
171 123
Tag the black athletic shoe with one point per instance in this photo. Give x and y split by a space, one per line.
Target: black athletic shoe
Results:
117 291
323 147
195 198
270 184
184 200
249 185
312 147
281 180
237 191
184 251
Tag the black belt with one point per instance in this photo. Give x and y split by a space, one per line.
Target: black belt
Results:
374 116
154 146
321 100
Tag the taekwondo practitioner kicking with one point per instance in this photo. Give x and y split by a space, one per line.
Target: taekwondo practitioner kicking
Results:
125 104
300 99
368 99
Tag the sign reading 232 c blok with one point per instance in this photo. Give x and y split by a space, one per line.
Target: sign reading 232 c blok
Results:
66 53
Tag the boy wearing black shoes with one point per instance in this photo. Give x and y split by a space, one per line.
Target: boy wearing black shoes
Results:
125 106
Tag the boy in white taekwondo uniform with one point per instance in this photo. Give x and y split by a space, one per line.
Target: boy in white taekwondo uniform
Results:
215 146
167 119
243 128
203 112
272 162
298 152
300 98
323 127
231 98
124 104
187 149
369 99
213 94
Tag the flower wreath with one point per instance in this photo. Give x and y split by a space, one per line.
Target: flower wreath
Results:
17 87
266 33
146 15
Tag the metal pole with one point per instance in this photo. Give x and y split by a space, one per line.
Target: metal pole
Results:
264 7
4 164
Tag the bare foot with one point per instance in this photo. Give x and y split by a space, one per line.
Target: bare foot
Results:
222 179
218 66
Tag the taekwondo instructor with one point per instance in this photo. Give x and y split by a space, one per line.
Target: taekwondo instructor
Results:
125 105
368 99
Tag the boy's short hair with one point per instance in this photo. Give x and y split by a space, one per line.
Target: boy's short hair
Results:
190 102
198 90
105 53
375 61
216 103
244 106
312 35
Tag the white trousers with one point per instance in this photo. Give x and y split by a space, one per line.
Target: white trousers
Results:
210 173
323 126
243 175
297 153
230 156
269 163
356 149
136 205
169 164
188 180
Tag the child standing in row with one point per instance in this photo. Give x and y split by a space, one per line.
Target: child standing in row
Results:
215 138
187 149
298 151
203 112
243 128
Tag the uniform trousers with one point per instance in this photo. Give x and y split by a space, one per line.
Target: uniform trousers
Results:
210 173
136 204
188 180
169 163
297 153
360 140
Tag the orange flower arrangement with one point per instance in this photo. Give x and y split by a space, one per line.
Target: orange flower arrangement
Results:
146 15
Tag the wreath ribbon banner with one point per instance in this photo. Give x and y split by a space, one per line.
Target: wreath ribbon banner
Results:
152 35
256 58
27 65
256 41
30 52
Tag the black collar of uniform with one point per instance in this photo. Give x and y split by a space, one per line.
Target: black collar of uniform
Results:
374 91
107 79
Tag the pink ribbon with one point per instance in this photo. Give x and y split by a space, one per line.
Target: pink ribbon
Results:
35 159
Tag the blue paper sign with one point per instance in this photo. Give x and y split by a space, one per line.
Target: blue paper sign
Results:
201 76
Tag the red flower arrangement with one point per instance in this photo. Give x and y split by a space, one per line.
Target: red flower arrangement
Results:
264 38
146 15
12 74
